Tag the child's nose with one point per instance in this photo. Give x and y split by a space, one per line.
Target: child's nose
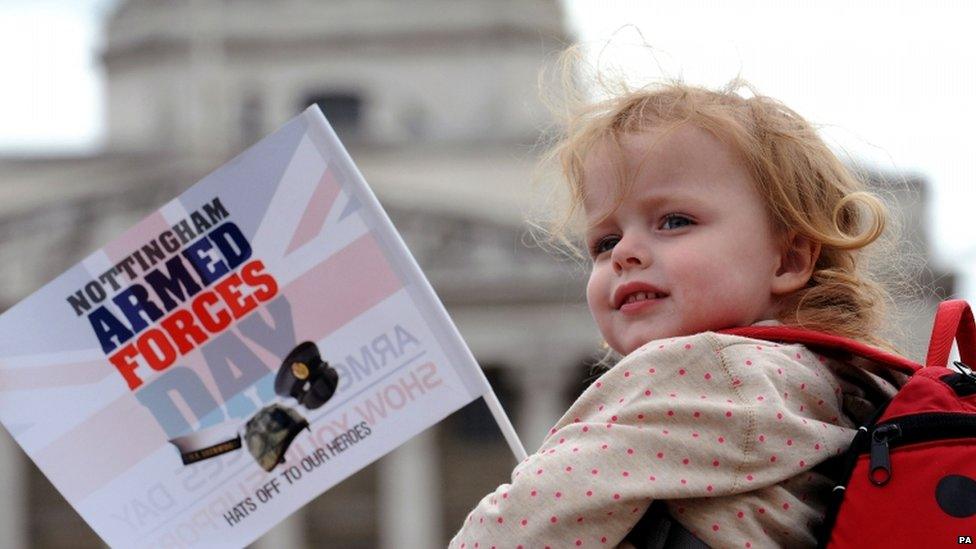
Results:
629 254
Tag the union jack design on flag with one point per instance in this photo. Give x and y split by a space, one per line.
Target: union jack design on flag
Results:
335 273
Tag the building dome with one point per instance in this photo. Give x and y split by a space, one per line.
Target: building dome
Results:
217 74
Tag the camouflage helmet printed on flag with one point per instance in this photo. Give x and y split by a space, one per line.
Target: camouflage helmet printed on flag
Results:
270 432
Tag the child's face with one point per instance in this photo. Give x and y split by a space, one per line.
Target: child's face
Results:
692 236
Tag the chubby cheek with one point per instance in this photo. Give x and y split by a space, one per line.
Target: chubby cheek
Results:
712 302
597 298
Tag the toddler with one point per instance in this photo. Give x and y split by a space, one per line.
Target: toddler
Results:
702 210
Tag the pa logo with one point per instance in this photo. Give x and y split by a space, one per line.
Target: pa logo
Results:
968 540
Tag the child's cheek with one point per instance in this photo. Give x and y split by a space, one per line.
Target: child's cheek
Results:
597 295
707 299
591 289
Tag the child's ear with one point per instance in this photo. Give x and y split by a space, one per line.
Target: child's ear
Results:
797 260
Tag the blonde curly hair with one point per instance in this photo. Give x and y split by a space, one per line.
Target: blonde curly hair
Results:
808 190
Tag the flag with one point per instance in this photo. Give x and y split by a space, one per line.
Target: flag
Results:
246 347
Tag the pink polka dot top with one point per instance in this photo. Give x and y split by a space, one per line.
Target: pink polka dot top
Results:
725 429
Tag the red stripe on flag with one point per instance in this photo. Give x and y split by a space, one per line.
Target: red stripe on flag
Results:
135 238
109 442
315 213
353 280
58 375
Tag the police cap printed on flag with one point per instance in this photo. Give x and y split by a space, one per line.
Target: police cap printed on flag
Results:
304 376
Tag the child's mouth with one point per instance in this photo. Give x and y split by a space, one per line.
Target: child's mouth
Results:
639 301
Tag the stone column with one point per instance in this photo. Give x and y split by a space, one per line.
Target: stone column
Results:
207 104
13 494
540 406
409 499
543 376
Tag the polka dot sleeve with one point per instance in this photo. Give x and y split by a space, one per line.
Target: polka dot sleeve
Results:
704 416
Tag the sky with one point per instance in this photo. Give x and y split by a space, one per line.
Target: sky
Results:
892 82
51 99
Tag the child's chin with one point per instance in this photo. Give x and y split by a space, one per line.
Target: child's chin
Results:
649 337
640 343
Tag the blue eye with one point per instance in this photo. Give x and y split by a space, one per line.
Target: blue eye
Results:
675 221
604 244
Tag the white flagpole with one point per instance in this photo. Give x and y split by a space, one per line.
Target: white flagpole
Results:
511 437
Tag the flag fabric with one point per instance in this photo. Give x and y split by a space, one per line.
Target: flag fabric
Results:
149 382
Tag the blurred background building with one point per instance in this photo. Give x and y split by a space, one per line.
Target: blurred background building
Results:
438 104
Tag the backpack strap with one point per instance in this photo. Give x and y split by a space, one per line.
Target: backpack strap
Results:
953 322
657 530
828 342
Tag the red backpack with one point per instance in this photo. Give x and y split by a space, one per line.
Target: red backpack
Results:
909 476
